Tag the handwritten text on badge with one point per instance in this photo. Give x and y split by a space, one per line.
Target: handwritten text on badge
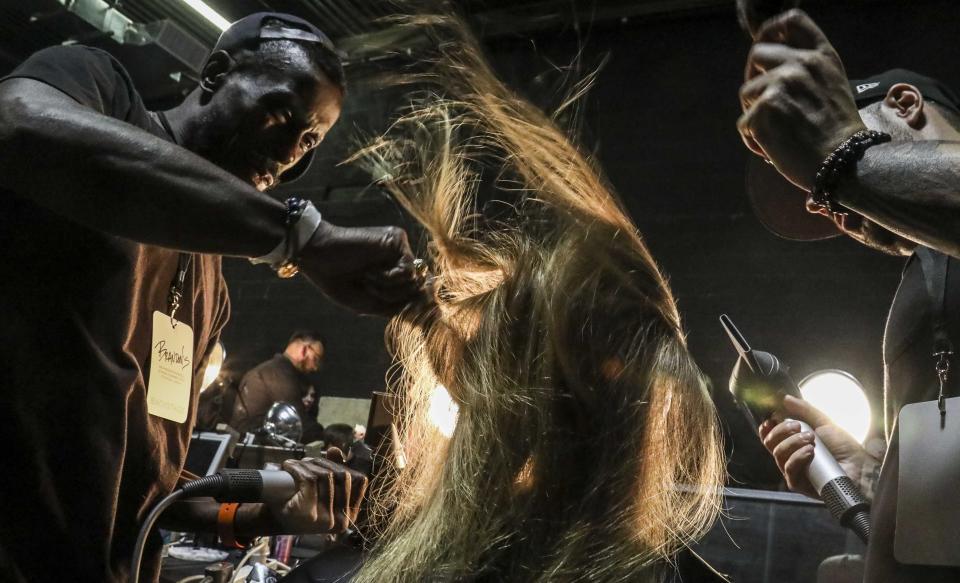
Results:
171 370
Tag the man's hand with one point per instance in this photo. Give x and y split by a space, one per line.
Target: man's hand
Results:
796 100
367 269
328 496
793 449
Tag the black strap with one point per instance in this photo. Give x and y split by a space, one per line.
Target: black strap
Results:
935 267
175 297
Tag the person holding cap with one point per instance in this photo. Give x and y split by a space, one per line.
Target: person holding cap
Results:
114 219
876 159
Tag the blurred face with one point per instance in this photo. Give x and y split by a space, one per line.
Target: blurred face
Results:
262 119
312 357
310 399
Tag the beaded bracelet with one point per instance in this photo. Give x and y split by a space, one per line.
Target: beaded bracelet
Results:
844 157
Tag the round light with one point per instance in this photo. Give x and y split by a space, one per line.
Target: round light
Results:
214 362
842 398
443 411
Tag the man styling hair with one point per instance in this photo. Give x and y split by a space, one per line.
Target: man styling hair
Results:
114 219
880 158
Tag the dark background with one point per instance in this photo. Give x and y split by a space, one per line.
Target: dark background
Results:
661 119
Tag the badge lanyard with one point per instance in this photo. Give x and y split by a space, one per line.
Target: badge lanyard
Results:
171 361
175 296
927 525
935 267
171 357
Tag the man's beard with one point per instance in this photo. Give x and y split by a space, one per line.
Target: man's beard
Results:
874 236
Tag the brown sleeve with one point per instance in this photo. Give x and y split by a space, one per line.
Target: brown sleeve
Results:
284 388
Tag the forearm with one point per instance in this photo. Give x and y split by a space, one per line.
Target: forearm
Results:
116 178
912 189
200 515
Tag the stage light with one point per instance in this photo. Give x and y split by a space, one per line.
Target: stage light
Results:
214 363
443 411
208 13
841 396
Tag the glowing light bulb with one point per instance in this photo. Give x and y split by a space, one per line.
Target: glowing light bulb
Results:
842 398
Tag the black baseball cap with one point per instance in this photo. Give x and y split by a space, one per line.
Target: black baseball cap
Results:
247 33
781 206
875 88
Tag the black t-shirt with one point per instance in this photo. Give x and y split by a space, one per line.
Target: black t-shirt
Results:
909 377
84 461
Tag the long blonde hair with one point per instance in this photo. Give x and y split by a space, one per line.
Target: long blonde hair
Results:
586 446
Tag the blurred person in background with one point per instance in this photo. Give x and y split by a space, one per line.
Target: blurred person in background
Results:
312 430
282 379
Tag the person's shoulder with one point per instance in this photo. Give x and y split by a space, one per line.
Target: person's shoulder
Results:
91 76
72 56
76 51
267 366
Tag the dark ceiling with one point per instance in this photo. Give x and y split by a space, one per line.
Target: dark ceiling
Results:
29 25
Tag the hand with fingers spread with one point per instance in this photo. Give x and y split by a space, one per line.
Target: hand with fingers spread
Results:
328 495
793 449
797 103
367 269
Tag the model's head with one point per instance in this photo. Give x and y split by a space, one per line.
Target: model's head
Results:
267 99
586 444
339 435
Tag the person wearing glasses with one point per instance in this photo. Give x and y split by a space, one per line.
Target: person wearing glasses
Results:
284 378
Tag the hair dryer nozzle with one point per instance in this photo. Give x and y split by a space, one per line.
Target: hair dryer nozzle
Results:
759 380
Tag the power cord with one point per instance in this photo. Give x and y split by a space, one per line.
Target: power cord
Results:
225 486
145 531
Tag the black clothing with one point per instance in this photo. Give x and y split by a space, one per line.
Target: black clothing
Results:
909 377
361 458
265 384
338 564
312 430
85 461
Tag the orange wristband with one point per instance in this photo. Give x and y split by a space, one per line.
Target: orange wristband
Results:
225 525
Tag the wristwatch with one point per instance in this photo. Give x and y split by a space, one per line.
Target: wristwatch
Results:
303 220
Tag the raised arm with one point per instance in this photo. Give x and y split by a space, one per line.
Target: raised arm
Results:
798 107
912 189
64 145
119 179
